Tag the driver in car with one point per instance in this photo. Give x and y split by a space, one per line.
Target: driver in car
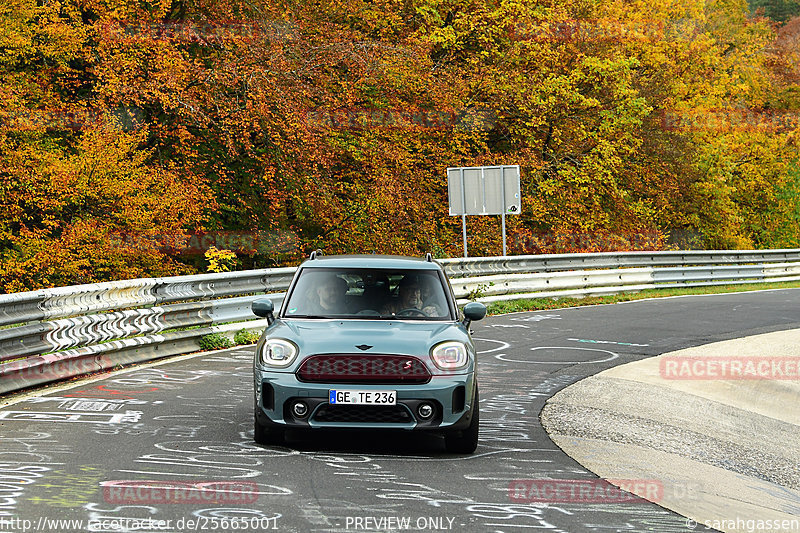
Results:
410 300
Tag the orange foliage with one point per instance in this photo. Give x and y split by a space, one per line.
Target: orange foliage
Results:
335 121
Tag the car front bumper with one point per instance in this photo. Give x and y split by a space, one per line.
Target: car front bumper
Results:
451 396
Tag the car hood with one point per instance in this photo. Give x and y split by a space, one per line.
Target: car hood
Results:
385 336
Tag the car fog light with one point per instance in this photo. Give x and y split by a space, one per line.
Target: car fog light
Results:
425 411
300 409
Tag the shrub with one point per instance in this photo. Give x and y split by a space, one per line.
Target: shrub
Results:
479 291
245 337
215 341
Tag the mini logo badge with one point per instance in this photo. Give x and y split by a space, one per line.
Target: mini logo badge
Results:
363 347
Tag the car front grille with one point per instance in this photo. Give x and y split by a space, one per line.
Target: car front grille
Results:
364 414
358 368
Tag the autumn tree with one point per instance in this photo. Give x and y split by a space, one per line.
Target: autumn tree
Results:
81 200
637 125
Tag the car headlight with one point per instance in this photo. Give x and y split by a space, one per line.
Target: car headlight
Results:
450 355
278 353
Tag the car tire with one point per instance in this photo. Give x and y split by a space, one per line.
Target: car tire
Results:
466 440
264 434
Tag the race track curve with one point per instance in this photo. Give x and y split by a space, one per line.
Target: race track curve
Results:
69 452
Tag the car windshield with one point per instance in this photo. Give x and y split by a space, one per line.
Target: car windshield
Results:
368 294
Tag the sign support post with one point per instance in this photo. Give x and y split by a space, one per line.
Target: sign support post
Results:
464 213
503 214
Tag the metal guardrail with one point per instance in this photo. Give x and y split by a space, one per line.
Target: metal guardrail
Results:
54 334
483 266
576 283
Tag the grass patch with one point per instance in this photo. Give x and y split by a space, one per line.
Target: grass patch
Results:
540 304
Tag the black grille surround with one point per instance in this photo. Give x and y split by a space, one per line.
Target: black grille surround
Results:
363 368
364 414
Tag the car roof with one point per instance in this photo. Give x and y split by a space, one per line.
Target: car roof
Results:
371 261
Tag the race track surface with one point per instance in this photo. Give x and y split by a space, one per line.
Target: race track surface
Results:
70 453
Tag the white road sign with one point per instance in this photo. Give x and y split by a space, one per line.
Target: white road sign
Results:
492 190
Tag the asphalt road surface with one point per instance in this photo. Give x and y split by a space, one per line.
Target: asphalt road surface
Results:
92 454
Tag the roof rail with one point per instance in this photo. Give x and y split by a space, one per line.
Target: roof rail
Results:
429 257
314 254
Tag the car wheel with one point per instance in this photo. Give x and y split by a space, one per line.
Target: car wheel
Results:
466 440
264 434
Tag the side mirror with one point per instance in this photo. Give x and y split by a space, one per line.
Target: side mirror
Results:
264 308
473 311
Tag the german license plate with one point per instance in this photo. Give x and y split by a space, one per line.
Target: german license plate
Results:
362 397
